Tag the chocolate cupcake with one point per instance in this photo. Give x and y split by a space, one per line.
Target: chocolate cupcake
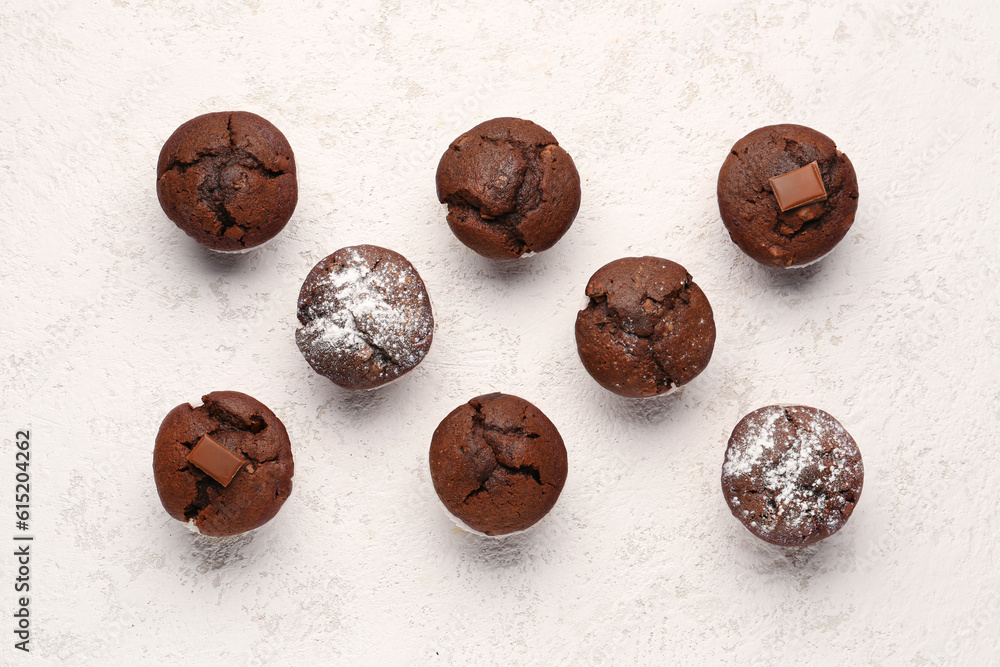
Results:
647 329
510 188
786 195
224 467
792 474
228 180
498 464
366 317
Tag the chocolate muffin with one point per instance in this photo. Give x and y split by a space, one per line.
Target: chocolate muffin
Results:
366 317
647 329
228 180
787 195
498 464
510 188
224 467
792 474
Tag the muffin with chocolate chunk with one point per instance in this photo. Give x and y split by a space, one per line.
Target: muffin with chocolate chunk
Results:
224 467
787 196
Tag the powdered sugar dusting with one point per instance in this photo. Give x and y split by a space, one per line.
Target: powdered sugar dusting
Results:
791 470
368 309
749 450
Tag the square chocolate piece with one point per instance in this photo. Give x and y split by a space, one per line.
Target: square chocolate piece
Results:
798 188
215 460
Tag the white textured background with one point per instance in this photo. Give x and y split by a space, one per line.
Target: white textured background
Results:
110 316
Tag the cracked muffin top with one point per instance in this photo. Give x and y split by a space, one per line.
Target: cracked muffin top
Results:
228 180
751 212
366 317
647 329
510 188
247 429
792 474
498 464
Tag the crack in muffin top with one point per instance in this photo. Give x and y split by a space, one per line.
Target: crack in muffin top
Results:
510 188
647 328
228 180
366 317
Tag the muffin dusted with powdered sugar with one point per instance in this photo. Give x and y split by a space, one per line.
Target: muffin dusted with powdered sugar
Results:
792 474
366 317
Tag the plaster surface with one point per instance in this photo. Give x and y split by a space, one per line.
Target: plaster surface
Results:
110 316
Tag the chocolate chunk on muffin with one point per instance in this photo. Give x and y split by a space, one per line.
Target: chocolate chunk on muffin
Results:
792 474
647 329
498 464
366 317
228 180
786 195
224 467
510 188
